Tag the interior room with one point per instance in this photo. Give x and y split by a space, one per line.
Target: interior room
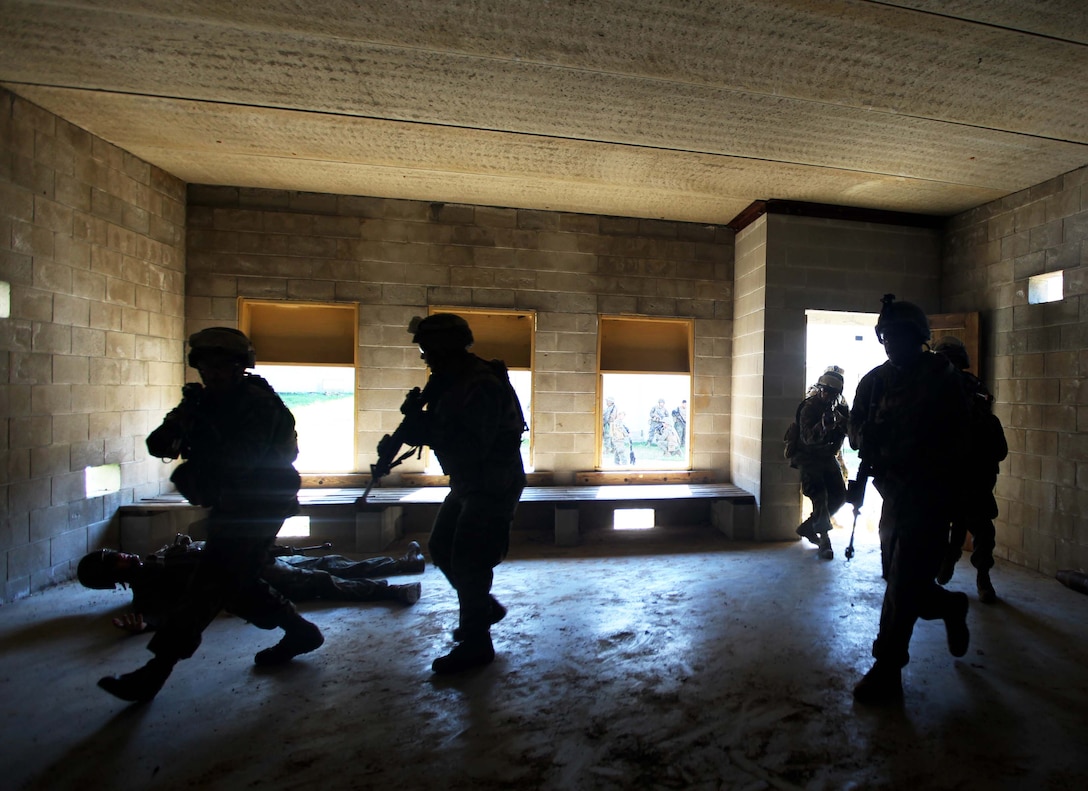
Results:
630 202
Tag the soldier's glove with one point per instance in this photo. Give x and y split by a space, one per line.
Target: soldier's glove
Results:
413 429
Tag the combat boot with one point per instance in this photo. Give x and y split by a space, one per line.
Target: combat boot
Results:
881 685
806 530
498 612
986 592
826 552
300 637
476 651
955 624
141 685
412 561
407 594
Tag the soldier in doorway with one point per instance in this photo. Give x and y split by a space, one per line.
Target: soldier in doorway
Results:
822 422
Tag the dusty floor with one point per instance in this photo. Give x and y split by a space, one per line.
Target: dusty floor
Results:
685 661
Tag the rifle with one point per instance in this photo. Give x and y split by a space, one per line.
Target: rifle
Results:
855 495
278 550
389 445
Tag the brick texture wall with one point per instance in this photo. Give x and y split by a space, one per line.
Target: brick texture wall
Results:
91 243
1035 360
793 264
396 258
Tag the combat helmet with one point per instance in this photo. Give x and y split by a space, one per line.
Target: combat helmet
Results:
832 378
441 330
223 342
903 314
98 570
952 348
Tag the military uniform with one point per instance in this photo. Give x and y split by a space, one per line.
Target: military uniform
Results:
821 420
909 424
473 422
474 427
987 448
239 453
159 584
909 421
238 440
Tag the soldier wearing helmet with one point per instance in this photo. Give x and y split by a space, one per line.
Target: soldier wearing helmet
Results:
159 581
908 421
978 508
821 419
473 422
238 442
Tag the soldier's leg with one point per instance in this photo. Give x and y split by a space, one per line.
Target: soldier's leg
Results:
982 557
214 580
481 542
440 543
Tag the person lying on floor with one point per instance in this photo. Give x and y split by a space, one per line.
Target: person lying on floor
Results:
159 580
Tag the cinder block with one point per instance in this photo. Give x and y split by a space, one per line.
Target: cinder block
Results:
566 525
375 530
144 533
736 520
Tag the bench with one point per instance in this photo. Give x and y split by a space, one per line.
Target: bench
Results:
339 514
732 508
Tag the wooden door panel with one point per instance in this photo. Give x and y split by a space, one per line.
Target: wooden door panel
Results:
963 326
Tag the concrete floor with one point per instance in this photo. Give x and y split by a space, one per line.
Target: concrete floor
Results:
674 661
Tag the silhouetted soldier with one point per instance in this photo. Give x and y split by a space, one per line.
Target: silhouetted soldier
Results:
822 419
909 419
473 422
986 450
159 581
239 443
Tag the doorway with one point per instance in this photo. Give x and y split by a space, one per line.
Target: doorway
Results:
849 341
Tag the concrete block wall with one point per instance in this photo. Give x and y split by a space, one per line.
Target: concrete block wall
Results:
1034 359
395 258
809 263
749 347
91 244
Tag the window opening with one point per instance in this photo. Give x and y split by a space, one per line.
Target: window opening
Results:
105 479
633 519
645 394
322 401
307 351
1046 288
295 527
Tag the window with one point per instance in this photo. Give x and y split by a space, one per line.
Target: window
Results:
1046 288
508 336
98 481
5 299
306 351
645 393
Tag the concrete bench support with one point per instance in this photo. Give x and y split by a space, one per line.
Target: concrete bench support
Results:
566 524
735 518
375 530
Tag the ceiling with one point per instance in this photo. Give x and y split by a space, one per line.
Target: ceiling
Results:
679 109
